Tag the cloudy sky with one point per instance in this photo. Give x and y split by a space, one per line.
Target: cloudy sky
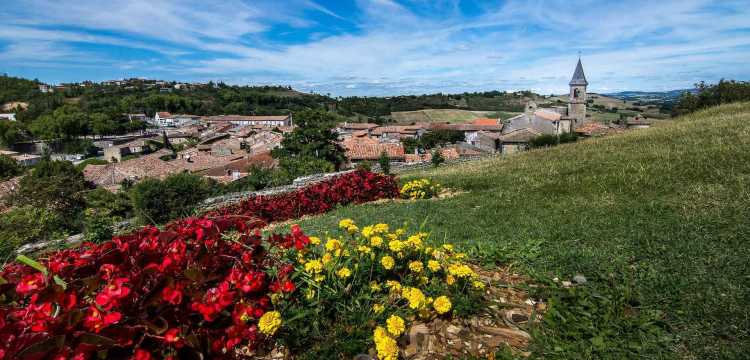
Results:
380 47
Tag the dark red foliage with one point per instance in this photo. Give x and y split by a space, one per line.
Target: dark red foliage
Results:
355 187
166 293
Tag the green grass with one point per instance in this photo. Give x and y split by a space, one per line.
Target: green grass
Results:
658 220
438 115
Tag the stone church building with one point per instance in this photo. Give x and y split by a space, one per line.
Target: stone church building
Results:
551 121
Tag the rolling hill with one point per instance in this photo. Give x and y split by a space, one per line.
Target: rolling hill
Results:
657 220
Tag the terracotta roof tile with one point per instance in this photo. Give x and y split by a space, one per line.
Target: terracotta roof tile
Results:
370 149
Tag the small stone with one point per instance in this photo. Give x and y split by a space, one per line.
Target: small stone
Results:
453 330
363 357
567 284
579 279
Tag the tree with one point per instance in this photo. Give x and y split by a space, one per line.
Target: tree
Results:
437 158
65 123
158 201
385 163
312 138
9 168
10 133
55 185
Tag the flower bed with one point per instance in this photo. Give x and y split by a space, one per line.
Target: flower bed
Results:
356 187
214 286
420 189
199 286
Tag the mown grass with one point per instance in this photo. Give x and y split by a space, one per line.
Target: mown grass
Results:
658 221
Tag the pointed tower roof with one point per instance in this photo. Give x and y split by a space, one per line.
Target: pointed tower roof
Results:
579 78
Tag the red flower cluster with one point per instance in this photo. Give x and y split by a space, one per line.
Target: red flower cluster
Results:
197 287
153 293
355 187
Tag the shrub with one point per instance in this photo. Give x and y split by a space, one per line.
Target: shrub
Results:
98 225
420 189
356 187
302 166
201 286
385 163
157 201
9 168
437 158
25 225
57 186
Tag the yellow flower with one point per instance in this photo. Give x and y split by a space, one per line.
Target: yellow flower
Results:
327 258
314 240
433 265
376 241
415 240
448 247
442 304
378 308
416 266
269 322
364 249
368 231
386 346
450 280
314 267
415 297
309 294
346 223
320 278
393 285
381 228
344 273
301 258
396 245
375 287
424 280
395 325
477 285
352 229
387 262
333 245
461 270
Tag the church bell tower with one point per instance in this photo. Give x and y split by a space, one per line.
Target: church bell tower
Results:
577 103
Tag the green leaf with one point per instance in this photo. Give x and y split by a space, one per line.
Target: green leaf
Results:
31 262
60 282
43 347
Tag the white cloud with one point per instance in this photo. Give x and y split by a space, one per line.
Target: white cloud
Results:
626 45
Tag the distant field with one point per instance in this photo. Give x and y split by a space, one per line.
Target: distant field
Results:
441 115
656 219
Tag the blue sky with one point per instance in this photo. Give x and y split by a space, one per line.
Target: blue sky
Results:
380 47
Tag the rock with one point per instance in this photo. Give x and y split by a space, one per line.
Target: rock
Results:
363 357
514 338
453 330
579 279
567 284
417 339
516 317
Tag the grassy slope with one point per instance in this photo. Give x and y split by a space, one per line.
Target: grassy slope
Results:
438 115
657 219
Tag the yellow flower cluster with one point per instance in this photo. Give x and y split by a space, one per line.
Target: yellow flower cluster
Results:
385 345
420 189
399 272
269 323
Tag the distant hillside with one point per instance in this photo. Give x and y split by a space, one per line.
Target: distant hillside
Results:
438 115
656 220
651 97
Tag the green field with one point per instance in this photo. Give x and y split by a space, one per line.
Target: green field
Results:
658 220
438 115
